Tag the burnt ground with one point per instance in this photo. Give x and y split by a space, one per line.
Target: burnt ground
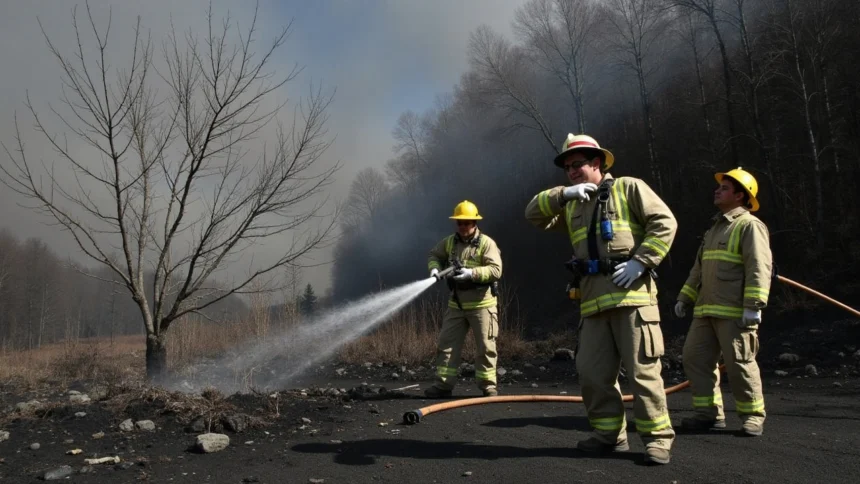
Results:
812 432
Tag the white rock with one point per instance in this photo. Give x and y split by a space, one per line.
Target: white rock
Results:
145 425
501 372
781 373
811 370
306 421
35 446
80 414
79 399
127 425
516 373
4 435
209 443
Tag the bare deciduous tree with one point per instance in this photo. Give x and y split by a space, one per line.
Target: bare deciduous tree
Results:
502 71
560 35
637 27
189 186
709 9
366 194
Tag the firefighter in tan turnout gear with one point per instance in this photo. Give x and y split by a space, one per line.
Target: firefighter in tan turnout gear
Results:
472 305
620 231
728 287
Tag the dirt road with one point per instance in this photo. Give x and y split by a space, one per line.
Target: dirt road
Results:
812 435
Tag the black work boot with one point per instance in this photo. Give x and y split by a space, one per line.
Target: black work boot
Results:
701 424
436 392
594 446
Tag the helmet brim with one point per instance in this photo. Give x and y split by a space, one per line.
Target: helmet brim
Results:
754 205
465 217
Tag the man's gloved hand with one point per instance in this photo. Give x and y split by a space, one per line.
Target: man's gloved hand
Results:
463 275
579 192
680 309
751 317
434 273
627 272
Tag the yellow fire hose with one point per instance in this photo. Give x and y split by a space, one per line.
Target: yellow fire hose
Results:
414 416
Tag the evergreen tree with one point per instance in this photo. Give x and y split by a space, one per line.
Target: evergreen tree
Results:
308 302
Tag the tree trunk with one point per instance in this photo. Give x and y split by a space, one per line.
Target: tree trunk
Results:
702 96
751 73
156 356
649 128
727 80
831 125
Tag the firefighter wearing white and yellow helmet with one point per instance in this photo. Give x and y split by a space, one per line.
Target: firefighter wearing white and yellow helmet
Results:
620 231
728 287
473 304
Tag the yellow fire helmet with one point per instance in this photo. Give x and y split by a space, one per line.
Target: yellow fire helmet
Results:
578 142
746 180
466 210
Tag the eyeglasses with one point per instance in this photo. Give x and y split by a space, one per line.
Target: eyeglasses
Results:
464 222
576 165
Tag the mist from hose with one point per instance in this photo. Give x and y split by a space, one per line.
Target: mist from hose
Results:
280 359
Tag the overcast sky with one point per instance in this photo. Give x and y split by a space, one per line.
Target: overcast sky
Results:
382 56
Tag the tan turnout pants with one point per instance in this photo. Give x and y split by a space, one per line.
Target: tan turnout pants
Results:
706 340
607 339
484 324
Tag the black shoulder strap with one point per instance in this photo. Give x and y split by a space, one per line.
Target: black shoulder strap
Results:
602 198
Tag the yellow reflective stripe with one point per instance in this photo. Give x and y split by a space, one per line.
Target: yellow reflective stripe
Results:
722 255
486 303
624 226
444 371
433 265
579 235
754 406
647 426
575 235
735 239
608 423
718 310
656 245
756 292
620 200
486 375
543 203
690 292
614 299
708 401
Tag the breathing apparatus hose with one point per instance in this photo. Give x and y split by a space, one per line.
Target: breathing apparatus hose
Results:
414 416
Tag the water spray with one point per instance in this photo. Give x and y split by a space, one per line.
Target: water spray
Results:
281 358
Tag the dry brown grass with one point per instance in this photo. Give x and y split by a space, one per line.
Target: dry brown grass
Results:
410 338
95 359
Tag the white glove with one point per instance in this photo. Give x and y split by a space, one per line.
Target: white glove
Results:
464 275
680 309
434 273
752 317
579 192
627 272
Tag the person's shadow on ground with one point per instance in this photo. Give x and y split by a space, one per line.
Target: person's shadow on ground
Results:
366 452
